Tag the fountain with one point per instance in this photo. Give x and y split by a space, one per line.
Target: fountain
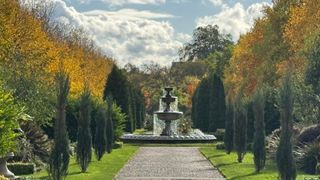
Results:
165 125
168 115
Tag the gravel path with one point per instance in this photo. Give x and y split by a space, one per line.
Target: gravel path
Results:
168 163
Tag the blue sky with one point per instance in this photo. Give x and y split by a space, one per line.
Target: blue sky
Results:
144 31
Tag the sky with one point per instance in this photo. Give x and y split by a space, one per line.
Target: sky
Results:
145 31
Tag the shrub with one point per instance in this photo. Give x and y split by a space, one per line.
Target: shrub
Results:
59 159
285 160
259 150
185 125
84 142
309 134
308 157
21 168
219 134
119 120
220 146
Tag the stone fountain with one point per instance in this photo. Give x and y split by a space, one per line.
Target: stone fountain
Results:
165 125
168 115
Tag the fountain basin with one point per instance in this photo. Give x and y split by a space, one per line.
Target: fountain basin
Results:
168 116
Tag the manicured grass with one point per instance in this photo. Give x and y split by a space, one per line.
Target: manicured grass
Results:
105 169
231 169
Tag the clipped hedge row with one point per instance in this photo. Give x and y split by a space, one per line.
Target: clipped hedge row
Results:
21 168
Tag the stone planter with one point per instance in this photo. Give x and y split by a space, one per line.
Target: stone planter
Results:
3 166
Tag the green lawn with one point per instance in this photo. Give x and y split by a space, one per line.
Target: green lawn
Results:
231 169
105 169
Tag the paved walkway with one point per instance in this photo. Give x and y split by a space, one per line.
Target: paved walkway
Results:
168 163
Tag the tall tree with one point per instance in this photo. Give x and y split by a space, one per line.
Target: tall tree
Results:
228 135
240 129
59 159
259 150
109 125
100 141
117 85
84 141
285 160
205 40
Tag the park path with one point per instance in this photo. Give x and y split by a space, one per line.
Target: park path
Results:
164 163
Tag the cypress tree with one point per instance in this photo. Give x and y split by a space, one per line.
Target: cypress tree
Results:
194 108
117 85
100 141
84 141
203 106
240 130
285 160
259 150
217 104
59 158
109 126
228 135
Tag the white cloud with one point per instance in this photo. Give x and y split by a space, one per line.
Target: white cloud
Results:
216 2
123 2
234 20
127 35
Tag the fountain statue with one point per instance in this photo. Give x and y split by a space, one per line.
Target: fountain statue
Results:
168 115
165 122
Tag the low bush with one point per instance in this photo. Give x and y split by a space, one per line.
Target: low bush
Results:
117 145
309 134
21 168
308 157
220 146
219 134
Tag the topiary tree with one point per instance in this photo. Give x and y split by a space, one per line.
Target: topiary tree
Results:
285 160
109 126
100 141
259 149
59 158
84 141
228 135
240 129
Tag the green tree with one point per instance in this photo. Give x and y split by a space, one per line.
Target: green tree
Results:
228 135
109 126
205 40
259 149
202 107
117 85
100 141
84 141
59 159
285 160
240 129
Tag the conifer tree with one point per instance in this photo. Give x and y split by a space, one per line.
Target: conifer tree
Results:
109 126
84 141
259 150
100 142
59 159
285 160
228 135
240 129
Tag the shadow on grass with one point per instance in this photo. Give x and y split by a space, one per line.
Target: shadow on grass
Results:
75 173
215 156
243 176
225 164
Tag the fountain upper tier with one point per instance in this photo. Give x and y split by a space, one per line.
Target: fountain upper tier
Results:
167 114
